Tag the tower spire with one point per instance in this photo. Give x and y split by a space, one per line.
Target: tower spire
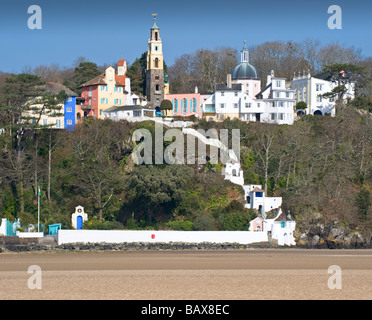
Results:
245 53
154 26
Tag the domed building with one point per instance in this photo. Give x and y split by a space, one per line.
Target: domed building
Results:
246 75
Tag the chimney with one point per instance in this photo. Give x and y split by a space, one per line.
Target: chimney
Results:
196 90
229 81
269 77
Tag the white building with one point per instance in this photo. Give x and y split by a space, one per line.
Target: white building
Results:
274 103
281 228
242 98
127 112
256 199
310 90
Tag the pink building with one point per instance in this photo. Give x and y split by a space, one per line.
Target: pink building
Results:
185 104
256 225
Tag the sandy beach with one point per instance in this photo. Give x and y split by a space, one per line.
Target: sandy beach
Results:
188 275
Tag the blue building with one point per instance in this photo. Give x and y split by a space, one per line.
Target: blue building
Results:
69 107
70 111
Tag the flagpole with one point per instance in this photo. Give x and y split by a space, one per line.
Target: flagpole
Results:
38 211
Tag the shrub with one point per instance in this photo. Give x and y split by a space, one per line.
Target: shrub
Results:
180 225
204 223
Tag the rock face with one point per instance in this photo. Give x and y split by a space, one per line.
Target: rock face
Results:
333 237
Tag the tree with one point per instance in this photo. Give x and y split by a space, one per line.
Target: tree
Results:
343 75
166 105
363 200
84 72
301 105
17 105
137 73
96 171
155 187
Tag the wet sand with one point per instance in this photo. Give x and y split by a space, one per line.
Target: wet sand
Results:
188 275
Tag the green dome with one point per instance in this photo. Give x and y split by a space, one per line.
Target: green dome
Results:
244 71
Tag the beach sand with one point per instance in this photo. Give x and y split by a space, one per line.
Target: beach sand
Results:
259 274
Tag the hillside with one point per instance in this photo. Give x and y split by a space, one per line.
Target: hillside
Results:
321 166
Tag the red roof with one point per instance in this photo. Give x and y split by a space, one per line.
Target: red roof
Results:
121 63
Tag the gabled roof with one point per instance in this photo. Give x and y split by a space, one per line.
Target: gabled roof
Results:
259 95
283 217
121 62
101 80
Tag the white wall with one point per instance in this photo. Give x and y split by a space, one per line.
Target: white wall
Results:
130 236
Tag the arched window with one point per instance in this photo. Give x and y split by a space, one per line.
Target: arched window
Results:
176 105
185 105
156 63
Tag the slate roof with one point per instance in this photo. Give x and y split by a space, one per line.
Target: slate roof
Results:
223 87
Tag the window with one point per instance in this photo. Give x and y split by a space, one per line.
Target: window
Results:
258 105
69 122
58 123
69 109
282 224
319 98
272 116
45 122
278 83
248 105
281 116
259 194
235 105
156 63
319 87
287 95
277 94
222 105
195 105
236 94
222 93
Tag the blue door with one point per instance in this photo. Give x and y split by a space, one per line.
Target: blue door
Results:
79 223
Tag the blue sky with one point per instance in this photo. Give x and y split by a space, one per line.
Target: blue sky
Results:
106 30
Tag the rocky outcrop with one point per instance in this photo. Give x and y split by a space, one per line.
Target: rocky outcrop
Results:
333 237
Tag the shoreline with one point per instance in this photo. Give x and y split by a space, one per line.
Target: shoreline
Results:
162 247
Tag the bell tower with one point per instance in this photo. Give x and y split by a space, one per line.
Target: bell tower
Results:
155 68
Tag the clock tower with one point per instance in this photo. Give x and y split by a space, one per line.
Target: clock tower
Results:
155 68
